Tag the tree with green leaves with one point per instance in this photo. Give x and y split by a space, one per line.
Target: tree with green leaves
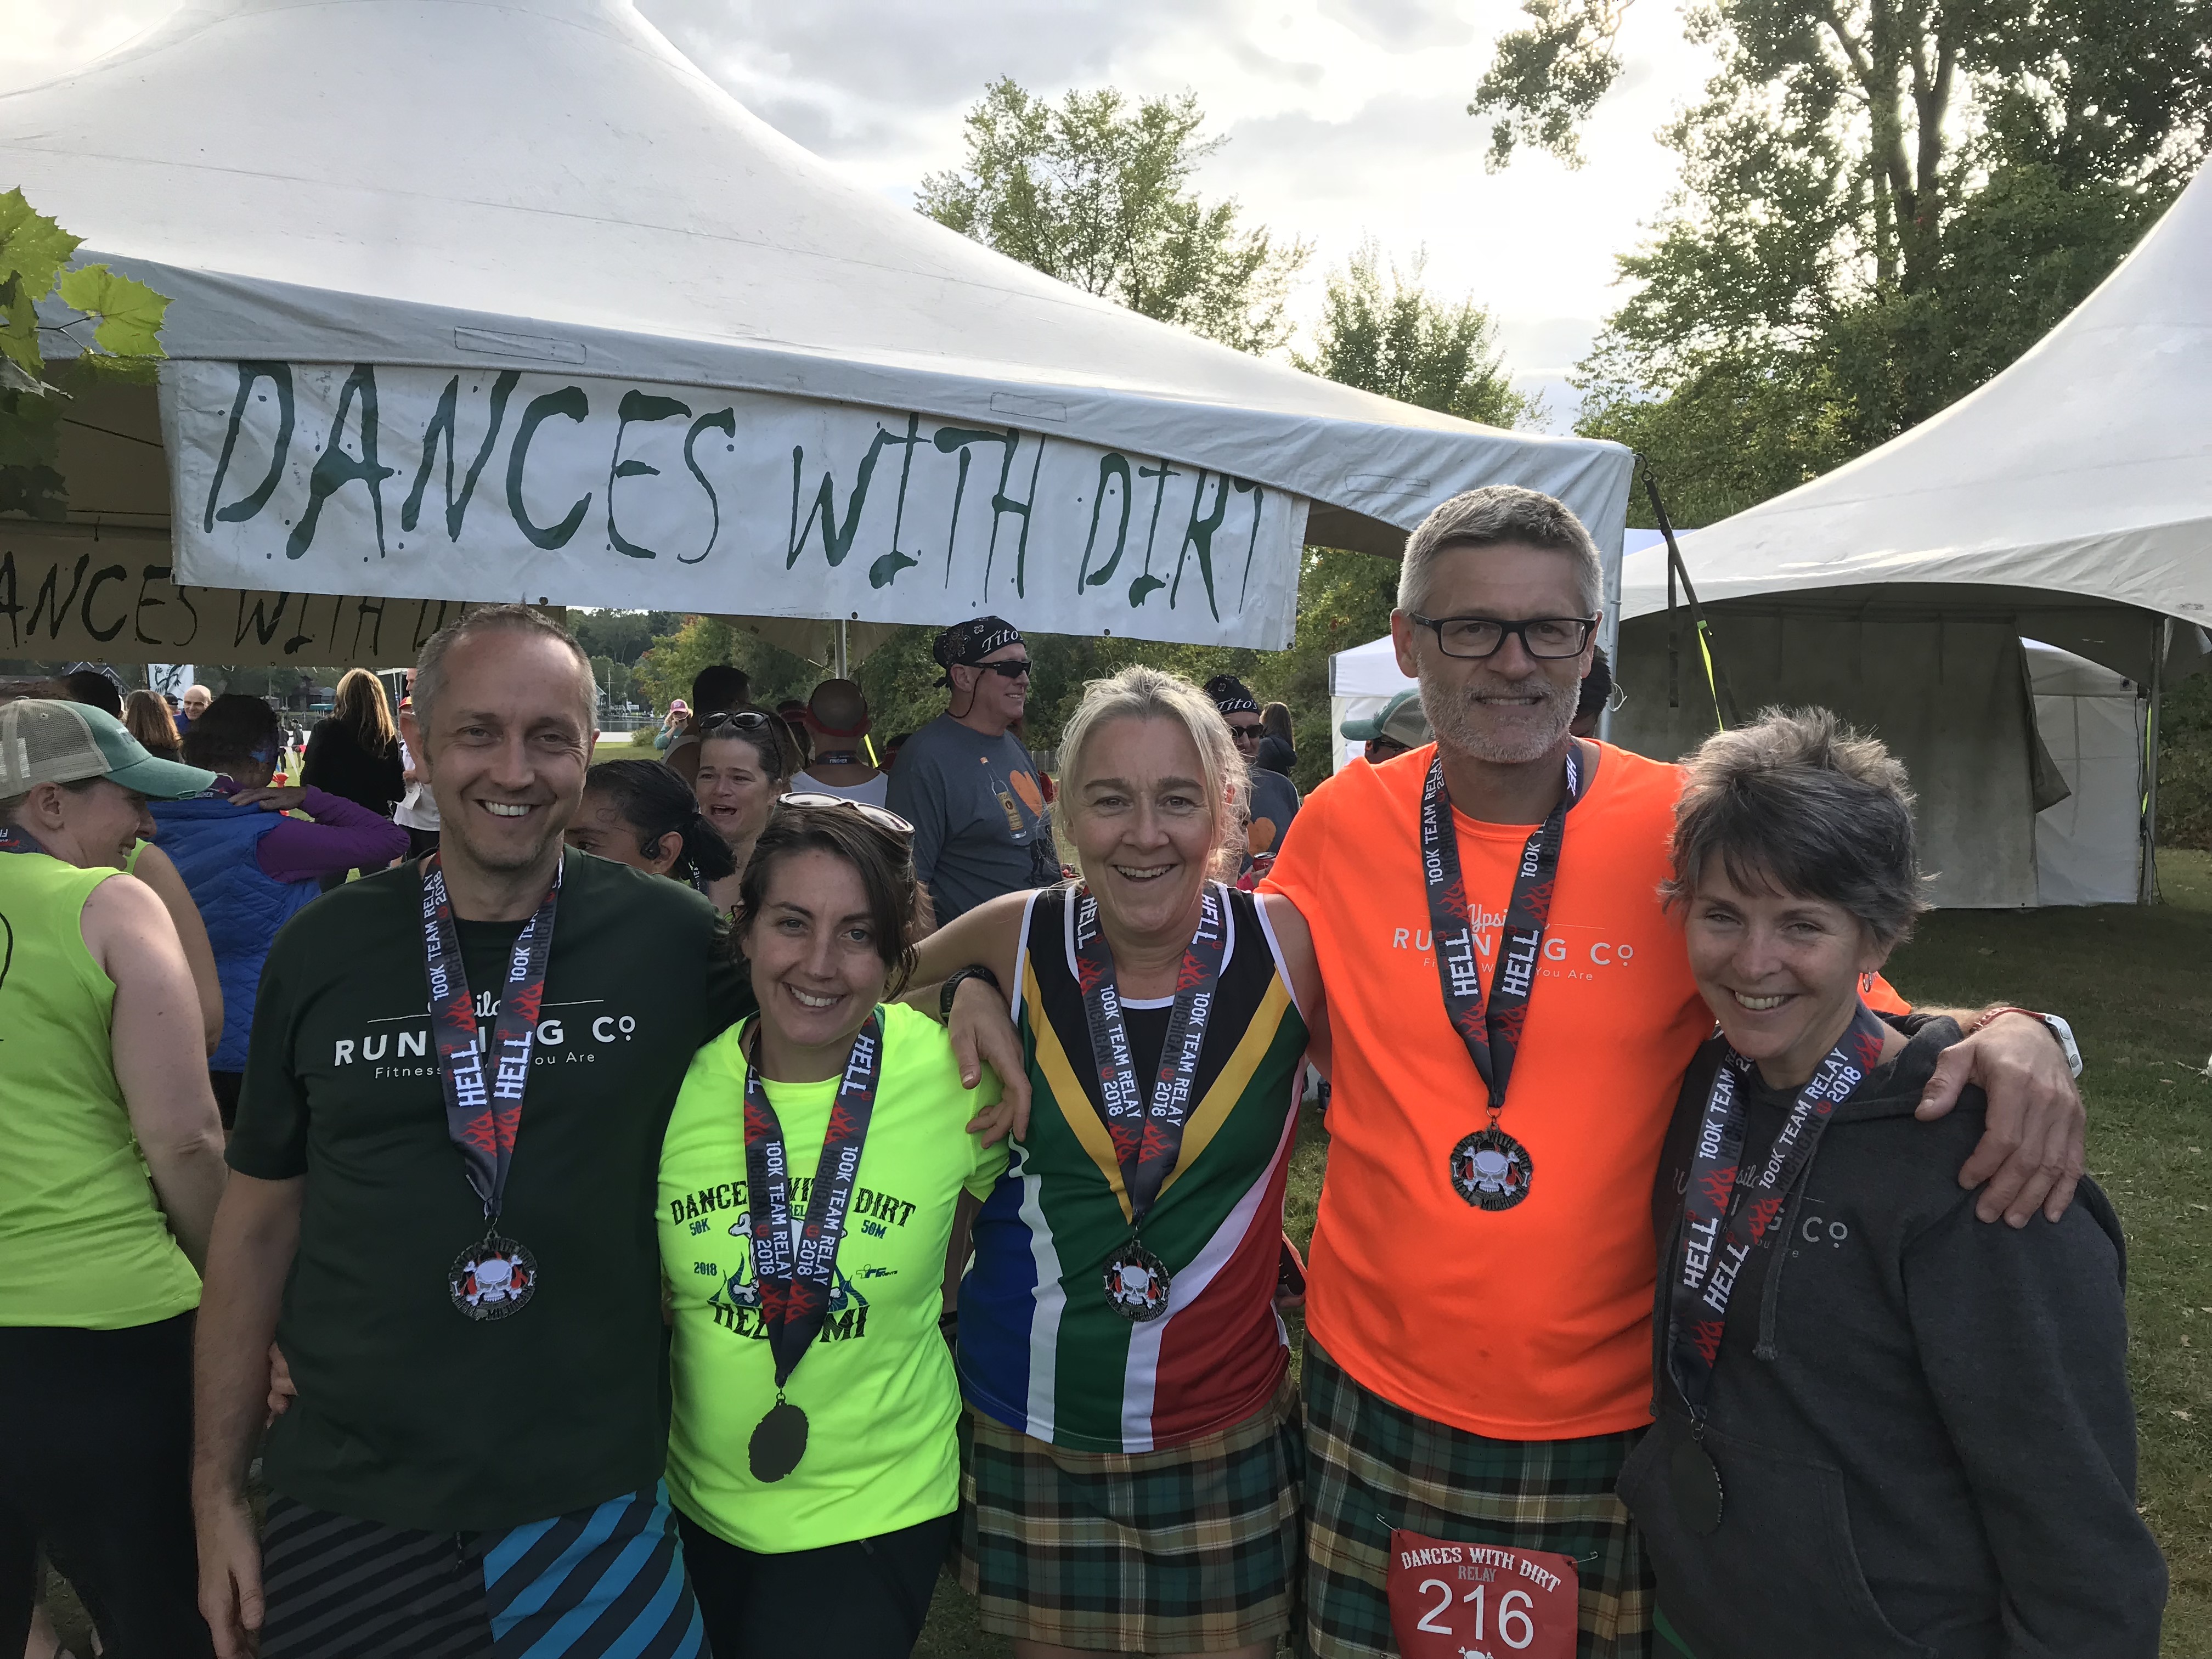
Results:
1402 342
1882 204
116 333
1098 194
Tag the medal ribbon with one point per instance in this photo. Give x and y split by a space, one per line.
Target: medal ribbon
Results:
483 1110
1147 1136
13 840
1729 1211
1492 1030
795 1277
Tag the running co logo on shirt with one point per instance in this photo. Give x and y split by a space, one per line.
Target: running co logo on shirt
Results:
1571 951
565 1034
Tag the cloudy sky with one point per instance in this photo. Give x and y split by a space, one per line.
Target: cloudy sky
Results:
1345 119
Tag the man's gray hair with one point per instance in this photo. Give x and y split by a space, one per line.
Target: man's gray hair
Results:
1798 803
430 666
1498 515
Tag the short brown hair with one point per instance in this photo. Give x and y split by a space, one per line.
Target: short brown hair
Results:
430 666
1798 802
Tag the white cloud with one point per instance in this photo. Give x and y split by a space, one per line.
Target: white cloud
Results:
1346 119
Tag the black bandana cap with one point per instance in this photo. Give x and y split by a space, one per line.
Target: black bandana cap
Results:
1230 695
965 644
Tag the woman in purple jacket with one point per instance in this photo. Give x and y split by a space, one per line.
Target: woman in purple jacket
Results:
249 866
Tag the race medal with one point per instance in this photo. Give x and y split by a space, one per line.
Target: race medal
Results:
493 1277
1491 1170
1695 1480
779 1442
1137 1283
1451 1599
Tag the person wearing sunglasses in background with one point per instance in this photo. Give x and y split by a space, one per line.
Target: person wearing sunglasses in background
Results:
638 812
808 1185
743 763
965 782
1272 801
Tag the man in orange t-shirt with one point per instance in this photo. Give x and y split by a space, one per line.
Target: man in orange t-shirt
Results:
1479 1356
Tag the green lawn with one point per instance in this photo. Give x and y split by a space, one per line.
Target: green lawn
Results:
2137 984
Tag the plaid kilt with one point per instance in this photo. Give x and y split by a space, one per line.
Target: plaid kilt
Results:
1192 1549
1371 1465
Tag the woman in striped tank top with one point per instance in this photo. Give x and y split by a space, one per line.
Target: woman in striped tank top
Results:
1132 1479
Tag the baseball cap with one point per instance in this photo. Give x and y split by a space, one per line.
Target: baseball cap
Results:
45 741
1403 721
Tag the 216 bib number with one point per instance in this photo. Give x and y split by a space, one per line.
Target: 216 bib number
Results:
1460 1601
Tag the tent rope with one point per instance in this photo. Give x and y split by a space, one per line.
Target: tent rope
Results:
1716 684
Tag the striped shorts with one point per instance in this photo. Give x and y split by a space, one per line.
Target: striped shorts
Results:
1371 1465
589 1584
1192 1549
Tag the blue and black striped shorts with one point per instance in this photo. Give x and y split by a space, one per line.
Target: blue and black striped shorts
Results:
593 1584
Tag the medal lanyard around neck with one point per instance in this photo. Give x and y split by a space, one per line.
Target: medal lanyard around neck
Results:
1148 1135
795 1277
1729 1212
483 1112
13 840
1491 1029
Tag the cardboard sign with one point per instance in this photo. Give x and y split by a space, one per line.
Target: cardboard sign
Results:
1456 1601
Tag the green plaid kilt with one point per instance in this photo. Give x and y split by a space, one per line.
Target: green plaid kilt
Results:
1193 1549
1371 1465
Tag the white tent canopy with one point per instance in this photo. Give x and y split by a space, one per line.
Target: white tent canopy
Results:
476 302
2068 500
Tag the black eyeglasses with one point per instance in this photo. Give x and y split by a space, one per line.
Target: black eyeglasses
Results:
883 817
1014 669
1481 636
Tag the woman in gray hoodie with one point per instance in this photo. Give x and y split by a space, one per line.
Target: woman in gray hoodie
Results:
1882 1428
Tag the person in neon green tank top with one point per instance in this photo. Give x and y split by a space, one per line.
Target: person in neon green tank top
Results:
111 1162
813 1461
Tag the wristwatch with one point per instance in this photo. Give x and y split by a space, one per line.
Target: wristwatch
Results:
2057 1028
951 986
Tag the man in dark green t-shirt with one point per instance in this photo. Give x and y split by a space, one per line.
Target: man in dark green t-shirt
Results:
475 1449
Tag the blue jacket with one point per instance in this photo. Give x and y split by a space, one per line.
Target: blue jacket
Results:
213 844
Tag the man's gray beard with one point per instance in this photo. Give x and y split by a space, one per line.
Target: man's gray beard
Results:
1457 722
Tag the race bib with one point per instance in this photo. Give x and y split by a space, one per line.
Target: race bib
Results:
1480 1601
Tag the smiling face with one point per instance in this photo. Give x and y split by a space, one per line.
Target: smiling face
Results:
818 968
509 740
735 788
1142 825
196 700
986 697
600 828
93 827
1780 972
1507 709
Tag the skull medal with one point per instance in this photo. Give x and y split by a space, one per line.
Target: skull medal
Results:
1491 1170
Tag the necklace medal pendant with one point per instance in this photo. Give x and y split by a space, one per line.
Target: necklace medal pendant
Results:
779 1442
1491 1170
492 1279
1137 1283
1695 1481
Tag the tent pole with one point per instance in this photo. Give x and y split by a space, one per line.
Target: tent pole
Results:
838 652
2161 641
1724 714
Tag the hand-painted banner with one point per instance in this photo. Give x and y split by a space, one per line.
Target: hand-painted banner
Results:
114 600
489 484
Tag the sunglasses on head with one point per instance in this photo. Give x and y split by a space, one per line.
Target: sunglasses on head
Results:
1013 670
742 720
882 817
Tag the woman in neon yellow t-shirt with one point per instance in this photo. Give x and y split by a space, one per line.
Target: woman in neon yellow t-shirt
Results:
812 1456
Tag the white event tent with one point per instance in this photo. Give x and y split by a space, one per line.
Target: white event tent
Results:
2068 500
476 302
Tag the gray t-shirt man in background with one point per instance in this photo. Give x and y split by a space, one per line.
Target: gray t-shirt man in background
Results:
966 782
1272 799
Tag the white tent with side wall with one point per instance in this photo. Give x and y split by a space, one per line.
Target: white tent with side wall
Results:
2068 501
480 302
